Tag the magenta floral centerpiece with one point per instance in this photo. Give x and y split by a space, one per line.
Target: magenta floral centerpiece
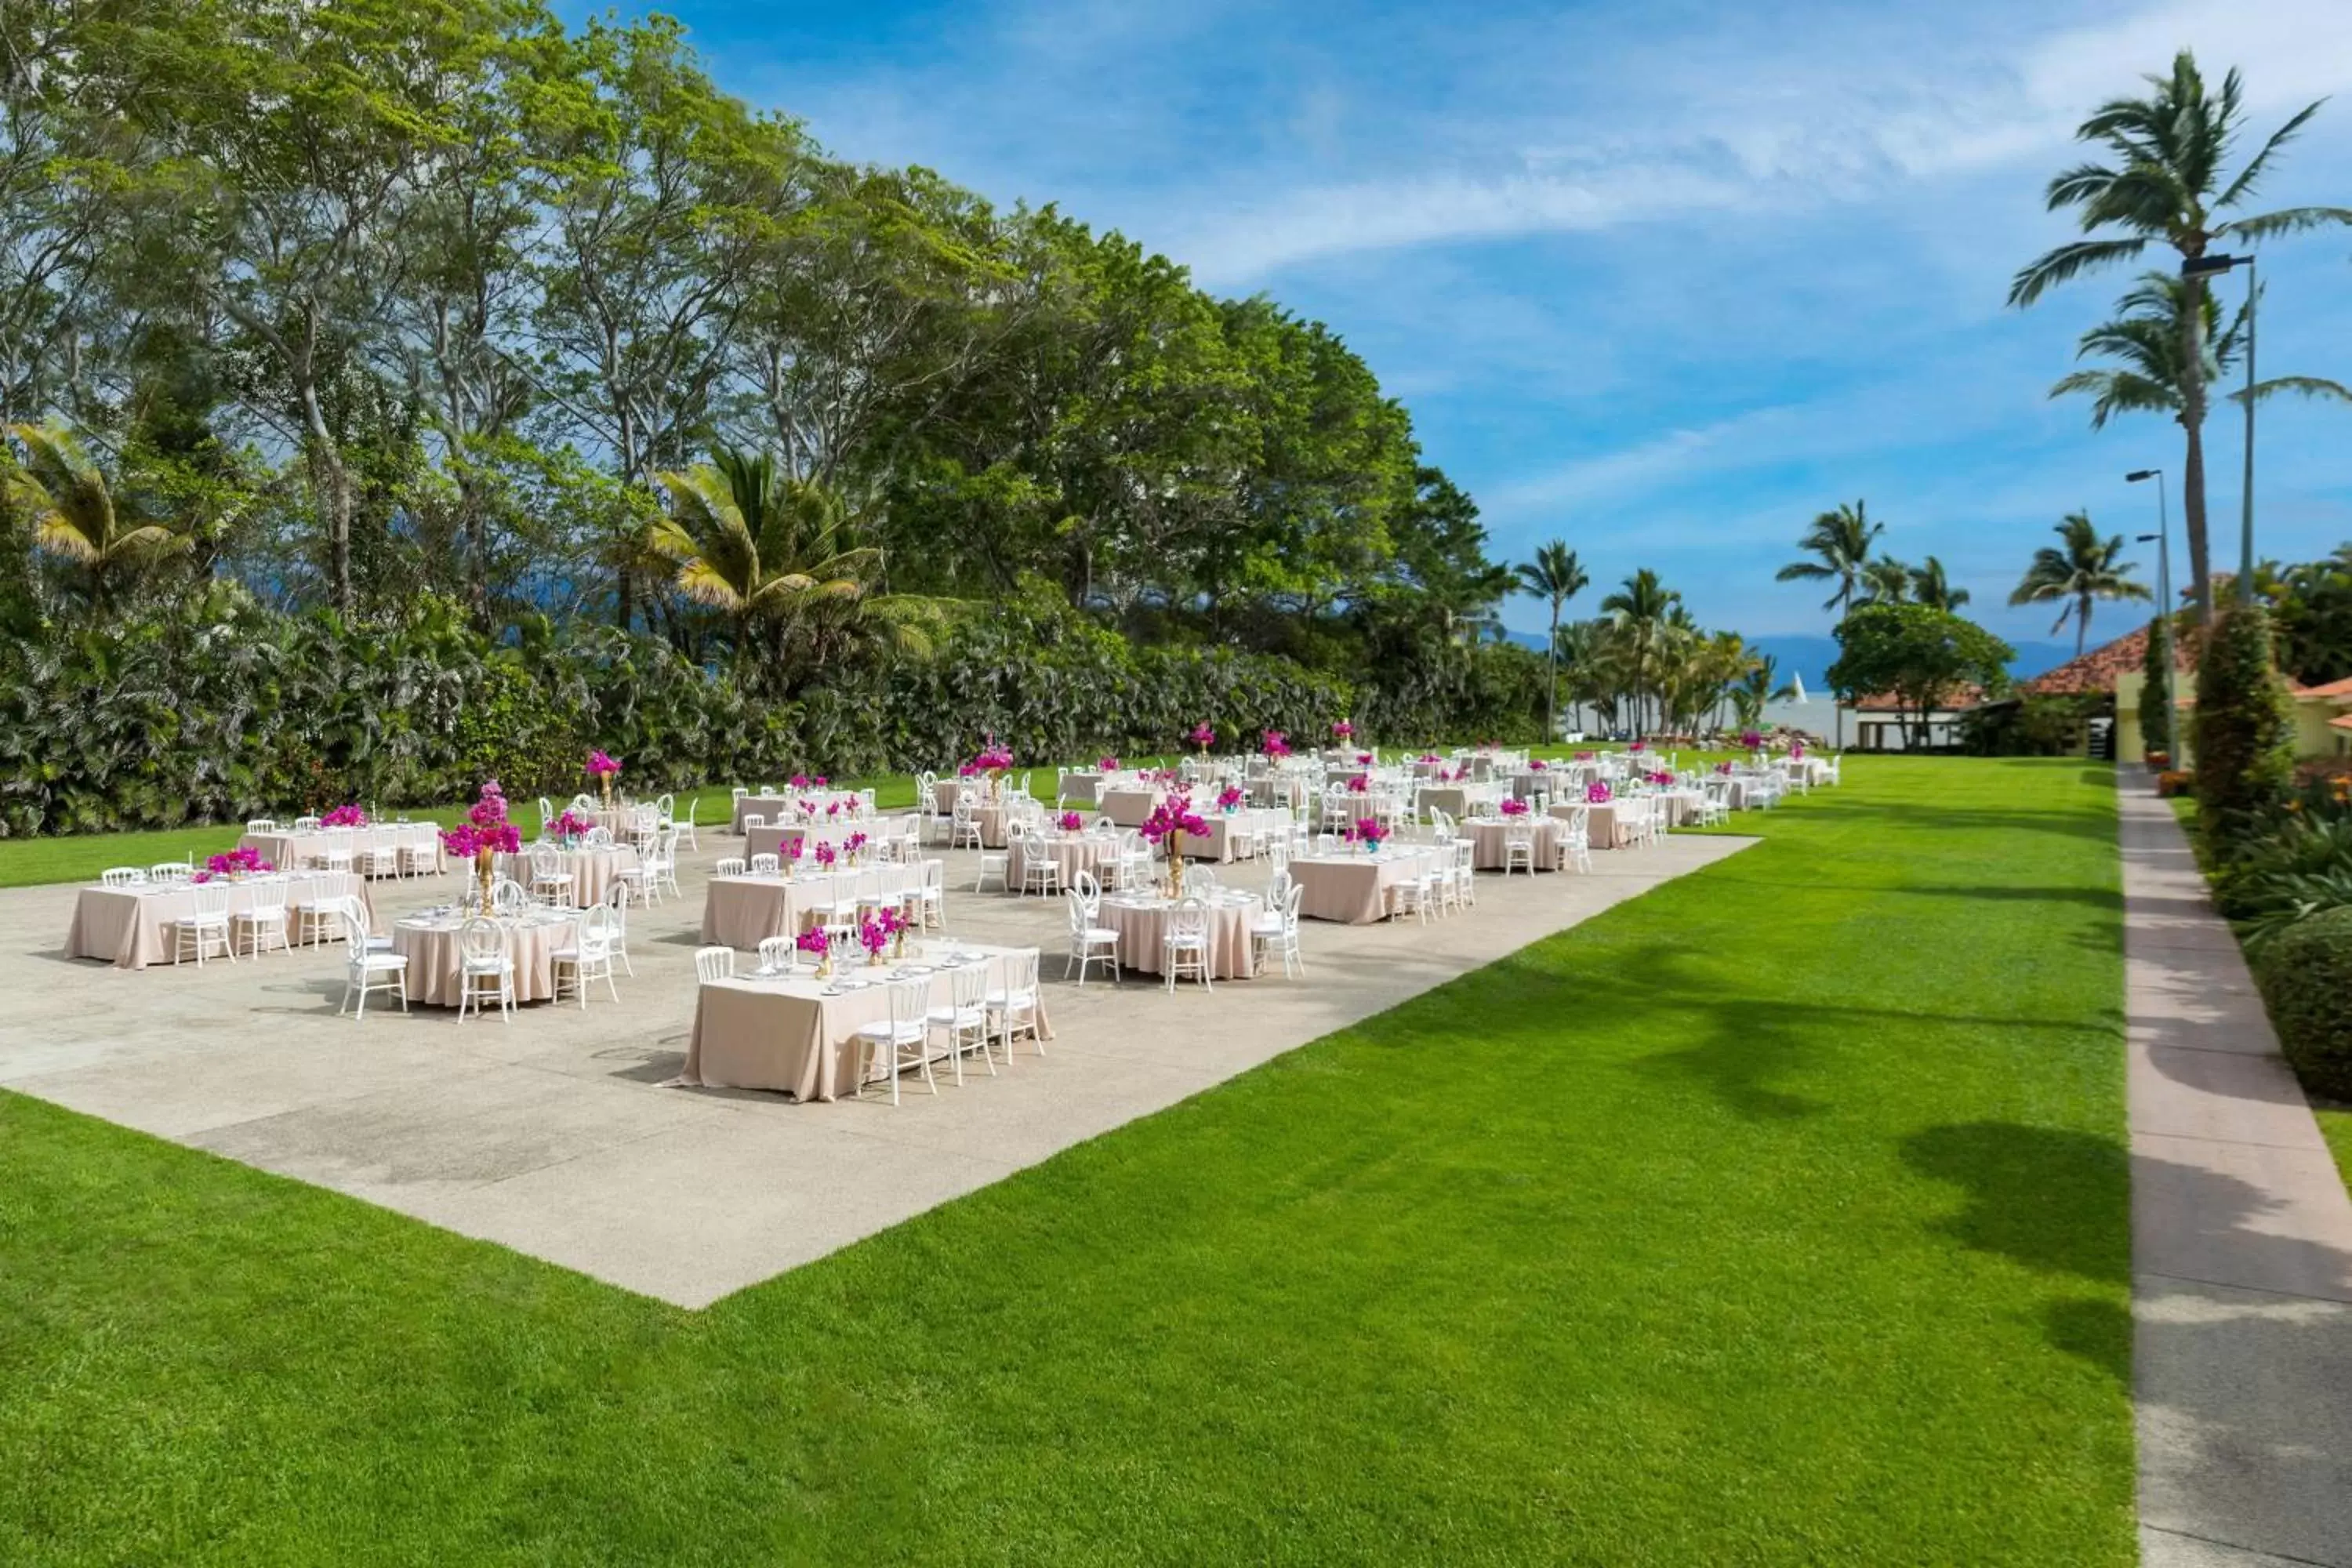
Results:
1274 743
1585 756
1370 834
1797 750
1596 793
1662 778
1638 747
484 834
1229 799
1538 765
1107 764
1723 768
799 781
344 817
603 768
994 760
1202 737
793 849
1342 730
1359 785
569 827
237 865
853 846
825 856
874 933
1072 822
1751 741
816 941
1166 826
1514 807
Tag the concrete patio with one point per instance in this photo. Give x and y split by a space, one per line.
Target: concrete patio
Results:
551 1134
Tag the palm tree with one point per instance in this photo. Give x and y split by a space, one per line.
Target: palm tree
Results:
775 554
2164 184
1642 607
1885 581
1555 575
1929 587
2086 569
2147 341
1762 684
1842 538
73 515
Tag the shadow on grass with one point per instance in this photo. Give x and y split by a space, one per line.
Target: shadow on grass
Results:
2096 826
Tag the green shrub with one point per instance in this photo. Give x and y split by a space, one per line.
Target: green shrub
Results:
2245 732
2305 974
2155 698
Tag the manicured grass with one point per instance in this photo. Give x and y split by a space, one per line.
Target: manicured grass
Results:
2335 1126
1778 1216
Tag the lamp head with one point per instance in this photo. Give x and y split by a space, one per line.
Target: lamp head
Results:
2138 474
2210 266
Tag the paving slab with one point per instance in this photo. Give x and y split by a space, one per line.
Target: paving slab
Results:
554 1132
2241 1244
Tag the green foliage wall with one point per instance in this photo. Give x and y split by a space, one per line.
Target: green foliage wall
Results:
219 710
2155 692
2245 728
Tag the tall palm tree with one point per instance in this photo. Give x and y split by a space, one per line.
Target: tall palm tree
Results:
1842 541
1760 685
1929 587
73 515
2085 568
1642 607
2164 182
2147 341
1555 576
774 554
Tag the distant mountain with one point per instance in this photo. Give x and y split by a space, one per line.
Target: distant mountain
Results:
1811 657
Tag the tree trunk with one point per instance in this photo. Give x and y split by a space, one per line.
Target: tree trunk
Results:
2193 476
1551 673
332 488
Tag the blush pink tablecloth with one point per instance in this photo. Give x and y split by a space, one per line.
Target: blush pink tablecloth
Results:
1143 927
125 926
593 871
787 1035
434 952
1224 839
288 850
773 838
1355 889
743 911
1488 839
1074 852
1128 807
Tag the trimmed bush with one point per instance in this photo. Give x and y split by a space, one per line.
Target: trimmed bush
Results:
2155 710
2245 732
2305 974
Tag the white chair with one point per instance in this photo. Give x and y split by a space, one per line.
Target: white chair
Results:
684 826
551 880
263 916
928 895
173 871
208 920
1012 1006
307 825
778 952
1041 873
1574 840
905 1030
1184 943
996 863
508 897
1414 892
1277 930
661 872
485 970
766 866
122 877
1089 942
714 963
964 825
261 825
1462 876
964 1020
1518 846
617 902
367 967
730 866
590 957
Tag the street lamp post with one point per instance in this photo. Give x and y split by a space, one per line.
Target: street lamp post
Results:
2162 539
2202 267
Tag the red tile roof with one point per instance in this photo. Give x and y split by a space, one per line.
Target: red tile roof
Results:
2096 670
1960 700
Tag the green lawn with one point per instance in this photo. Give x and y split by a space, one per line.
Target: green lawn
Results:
1779 1216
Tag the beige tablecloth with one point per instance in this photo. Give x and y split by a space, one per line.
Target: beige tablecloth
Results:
1354 889
1143 927
593 871
773 839
288 850
1223 842
743 911
788 1035
1128 807
1608 825
1080 789
1454 800
125 926
1487 839
434 954
1074 852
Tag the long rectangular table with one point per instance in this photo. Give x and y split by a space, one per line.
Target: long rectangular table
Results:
125 926
289 850
787 1034
743 911
1356 889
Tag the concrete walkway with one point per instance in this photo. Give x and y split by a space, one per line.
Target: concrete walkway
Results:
553 1135
2242 1243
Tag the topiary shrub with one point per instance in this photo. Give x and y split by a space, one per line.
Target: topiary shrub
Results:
2155 705
2305 974
2245 732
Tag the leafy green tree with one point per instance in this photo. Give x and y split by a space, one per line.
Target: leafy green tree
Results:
2312 611
2164 182
2082 571
2156 690
2245 726
1640 607
1929 587
1885 581
73 515
1555 576
1924 657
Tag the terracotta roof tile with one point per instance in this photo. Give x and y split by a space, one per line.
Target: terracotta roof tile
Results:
2098 669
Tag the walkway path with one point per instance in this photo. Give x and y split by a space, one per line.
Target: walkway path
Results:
2241 1244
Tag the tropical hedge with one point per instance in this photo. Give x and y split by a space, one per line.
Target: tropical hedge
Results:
2305 971
219 709
2244 730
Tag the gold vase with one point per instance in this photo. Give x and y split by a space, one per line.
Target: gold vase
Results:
485 867
607 779
1175 862
824 963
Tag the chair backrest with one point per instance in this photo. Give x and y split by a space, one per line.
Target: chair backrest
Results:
261 825
738 792
1076 906
1202 878
544 860
1190 917
775 950
964 801
1290 904
1277 888
616 900
754 820
170 872
595 930
212 897
911 1005
714 963
1087 888
269 895
967 987
765 865
480 939
121 876
729 866
508 897
1021 972
934 874
306 824
351 924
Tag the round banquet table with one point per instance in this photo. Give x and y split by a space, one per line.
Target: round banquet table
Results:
1142 926
594 870
433 947
1489 839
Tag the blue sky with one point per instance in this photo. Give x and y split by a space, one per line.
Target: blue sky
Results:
1662 279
